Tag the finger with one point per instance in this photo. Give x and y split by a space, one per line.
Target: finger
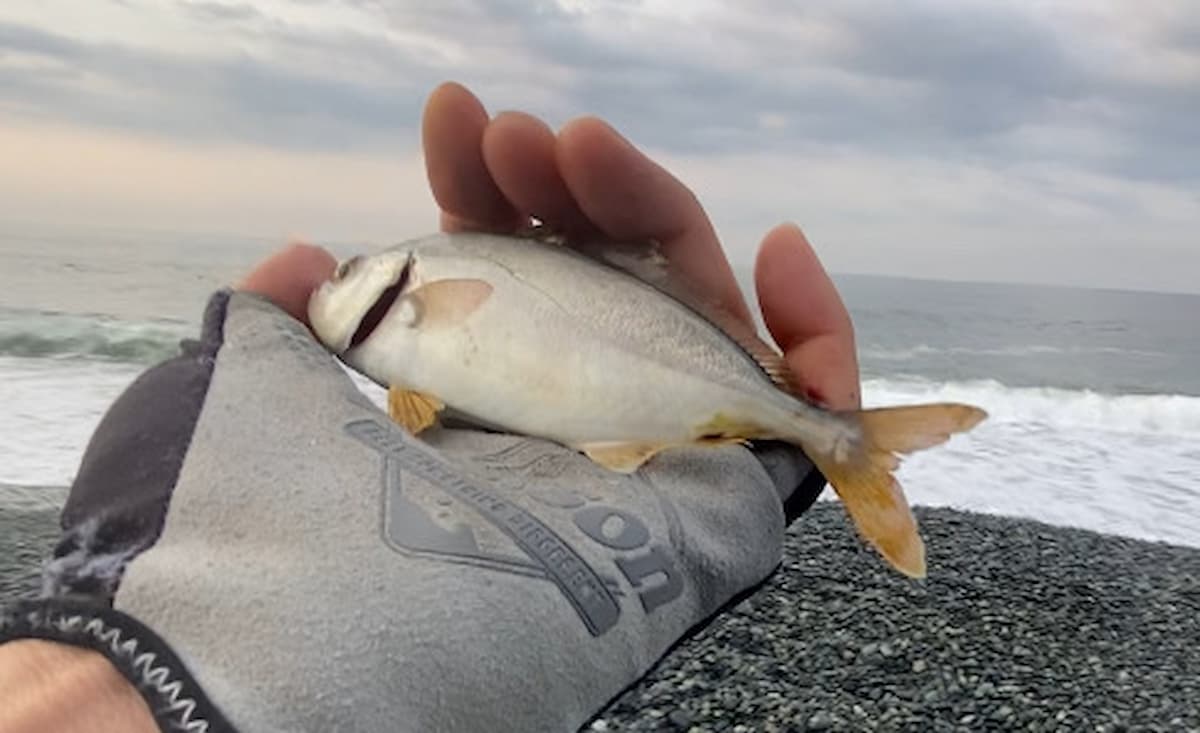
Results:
289 277
519 150
629 196
806 317
452 135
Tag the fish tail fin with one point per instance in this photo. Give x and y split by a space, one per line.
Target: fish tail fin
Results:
860 468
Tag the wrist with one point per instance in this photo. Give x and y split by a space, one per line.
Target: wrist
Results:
141 658
53 686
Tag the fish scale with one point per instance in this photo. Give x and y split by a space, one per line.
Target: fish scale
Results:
613 305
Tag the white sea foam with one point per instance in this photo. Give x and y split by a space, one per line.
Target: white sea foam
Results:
1049 406
48 410
50 407
1124 464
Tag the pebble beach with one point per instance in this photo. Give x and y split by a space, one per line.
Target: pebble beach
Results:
1019 626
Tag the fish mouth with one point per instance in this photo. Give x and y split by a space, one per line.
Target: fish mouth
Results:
377 312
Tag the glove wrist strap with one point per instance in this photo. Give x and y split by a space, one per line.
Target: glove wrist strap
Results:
139 654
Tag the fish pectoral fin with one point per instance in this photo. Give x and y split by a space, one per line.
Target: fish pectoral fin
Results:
622 457
443 303
415 411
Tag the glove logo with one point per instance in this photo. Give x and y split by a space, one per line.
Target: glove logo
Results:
413 471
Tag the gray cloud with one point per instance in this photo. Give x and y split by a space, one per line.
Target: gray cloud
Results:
205 10
994 49
243 99
940 79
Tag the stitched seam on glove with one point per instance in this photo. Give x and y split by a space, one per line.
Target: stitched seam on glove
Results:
142 657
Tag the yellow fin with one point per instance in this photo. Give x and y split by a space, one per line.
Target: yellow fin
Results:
443 303
910 429
861 473
622 457
414 410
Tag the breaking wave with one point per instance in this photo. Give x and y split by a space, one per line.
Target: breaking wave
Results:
1125 464
1049 406
47 335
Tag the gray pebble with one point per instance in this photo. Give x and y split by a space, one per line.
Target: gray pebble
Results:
681 718
1002 714
1004 633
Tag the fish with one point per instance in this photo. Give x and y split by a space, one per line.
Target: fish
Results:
608 349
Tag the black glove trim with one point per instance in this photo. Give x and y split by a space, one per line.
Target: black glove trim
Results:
141 656
781 461
805 495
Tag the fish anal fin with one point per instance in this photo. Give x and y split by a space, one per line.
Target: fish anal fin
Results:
621 457
861 472
415 411
443 303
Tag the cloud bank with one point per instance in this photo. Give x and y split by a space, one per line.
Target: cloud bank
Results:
1043 139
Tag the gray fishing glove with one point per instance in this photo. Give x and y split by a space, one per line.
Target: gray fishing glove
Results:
257 547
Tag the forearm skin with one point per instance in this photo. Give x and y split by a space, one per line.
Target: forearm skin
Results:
48 686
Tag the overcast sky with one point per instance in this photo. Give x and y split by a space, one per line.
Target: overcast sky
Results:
1018 140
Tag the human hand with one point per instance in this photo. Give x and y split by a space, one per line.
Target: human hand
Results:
312 566
493 174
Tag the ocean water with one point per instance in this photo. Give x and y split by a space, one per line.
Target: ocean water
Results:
1094 395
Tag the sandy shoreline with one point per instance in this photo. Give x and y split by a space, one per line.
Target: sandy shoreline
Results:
1020 626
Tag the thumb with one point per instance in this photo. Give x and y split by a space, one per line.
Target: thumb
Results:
288 277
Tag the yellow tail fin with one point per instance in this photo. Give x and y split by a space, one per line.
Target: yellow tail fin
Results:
861 473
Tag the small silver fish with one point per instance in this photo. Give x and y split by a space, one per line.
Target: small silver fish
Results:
600 347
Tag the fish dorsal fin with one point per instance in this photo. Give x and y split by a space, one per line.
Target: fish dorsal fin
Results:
744 335
645 261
